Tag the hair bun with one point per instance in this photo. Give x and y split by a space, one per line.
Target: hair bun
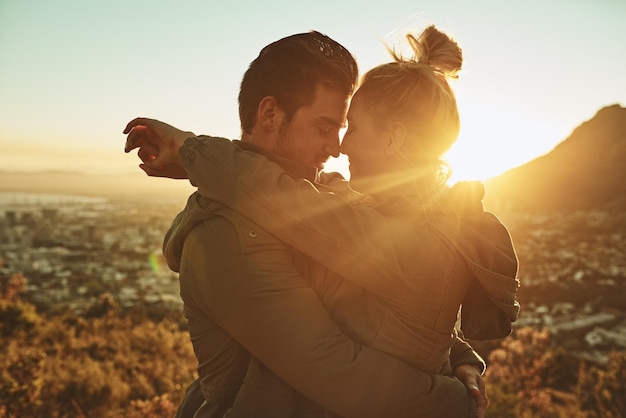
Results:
436 49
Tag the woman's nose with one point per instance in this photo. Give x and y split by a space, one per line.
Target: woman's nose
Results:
345 145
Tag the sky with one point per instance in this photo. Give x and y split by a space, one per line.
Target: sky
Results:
74 72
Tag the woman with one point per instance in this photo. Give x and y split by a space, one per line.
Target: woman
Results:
422 249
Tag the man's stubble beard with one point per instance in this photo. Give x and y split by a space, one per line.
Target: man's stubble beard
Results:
284 146
286 149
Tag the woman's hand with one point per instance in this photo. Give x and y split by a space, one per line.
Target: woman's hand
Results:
158 145
470 376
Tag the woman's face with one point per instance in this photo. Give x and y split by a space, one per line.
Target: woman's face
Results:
365 145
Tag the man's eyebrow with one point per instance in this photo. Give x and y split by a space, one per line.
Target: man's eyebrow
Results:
331 121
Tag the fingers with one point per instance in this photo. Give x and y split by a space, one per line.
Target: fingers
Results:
136 122
158 145
156 171
471 377
152 172
482 400
138 130
155 158
481 407
148 152
170 171
479 392
136 137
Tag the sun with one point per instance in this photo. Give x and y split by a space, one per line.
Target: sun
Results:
497 137
470 162
494 139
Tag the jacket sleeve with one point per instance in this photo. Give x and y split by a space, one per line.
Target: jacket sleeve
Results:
259 298
462 352
353 240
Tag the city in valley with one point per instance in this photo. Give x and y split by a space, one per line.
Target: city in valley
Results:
72 249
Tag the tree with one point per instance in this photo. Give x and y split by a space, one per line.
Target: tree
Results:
104 364
518 376
602 390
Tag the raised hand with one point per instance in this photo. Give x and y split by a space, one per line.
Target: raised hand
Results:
158 145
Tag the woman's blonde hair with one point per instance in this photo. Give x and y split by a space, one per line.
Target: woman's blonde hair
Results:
415 91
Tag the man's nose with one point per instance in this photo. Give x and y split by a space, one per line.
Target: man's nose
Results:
333 147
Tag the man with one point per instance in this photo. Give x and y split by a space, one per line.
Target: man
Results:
243 289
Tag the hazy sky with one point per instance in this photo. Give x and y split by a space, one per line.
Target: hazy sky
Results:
74 72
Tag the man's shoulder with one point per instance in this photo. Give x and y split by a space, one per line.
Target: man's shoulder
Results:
251 237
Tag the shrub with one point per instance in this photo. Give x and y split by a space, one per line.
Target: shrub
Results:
106 365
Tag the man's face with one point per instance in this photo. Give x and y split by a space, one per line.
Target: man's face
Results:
312 135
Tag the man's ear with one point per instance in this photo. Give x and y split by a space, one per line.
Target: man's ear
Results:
396 136
269 114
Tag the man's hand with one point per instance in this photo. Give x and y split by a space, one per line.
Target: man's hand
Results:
158 145
471 378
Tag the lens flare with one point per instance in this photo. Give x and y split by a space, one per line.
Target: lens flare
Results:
154 263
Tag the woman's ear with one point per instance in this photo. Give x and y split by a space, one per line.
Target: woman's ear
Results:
268 114
396 132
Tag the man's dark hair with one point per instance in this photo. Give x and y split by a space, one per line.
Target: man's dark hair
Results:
290 70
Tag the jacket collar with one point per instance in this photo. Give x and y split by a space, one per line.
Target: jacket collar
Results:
293 168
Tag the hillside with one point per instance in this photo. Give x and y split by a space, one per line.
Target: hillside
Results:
116 185
584 172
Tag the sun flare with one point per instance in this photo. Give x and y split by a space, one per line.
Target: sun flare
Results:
494 140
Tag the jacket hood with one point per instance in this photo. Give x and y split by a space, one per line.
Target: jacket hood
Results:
487 249
196 211
199 208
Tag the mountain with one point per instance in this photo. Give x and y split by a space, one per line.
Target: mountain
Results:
125 185
587 171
